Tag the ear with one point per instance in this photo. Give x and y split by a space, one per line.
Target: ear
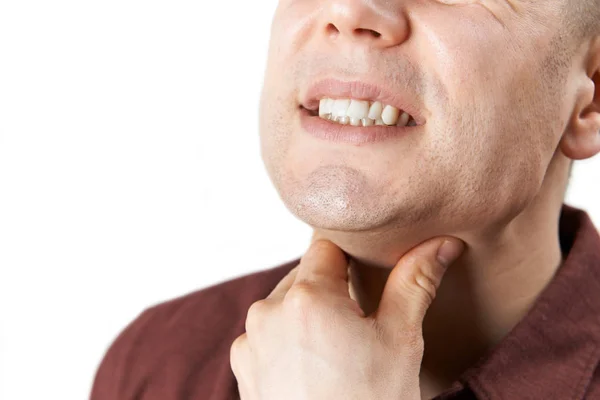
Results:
582 137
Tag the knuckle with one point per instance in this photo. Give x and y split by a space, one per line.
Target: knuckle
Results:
427 287
235 349
300 297
235 345
300 305
421 284
256 311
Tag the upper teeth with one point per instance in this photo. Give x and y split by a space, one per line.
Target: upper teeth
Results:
362 112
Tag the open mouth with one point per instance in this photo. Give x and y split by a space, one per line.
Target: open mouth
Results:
364 113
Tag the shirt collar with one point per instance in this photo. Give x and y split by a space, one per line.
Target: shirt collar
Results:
553 351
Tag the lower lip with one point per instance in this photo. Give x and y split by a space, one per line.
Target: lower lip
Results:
355 135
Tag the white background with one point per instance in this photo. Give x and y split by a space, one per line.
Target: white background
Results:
130 173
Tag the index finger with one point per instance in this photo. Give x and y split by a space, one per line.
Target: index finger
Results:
284 285
324 266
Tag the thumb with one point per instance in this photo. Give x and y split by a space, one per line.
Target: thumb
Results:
412 284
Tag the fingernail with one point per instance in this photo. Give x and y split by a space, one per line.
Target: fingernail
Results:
449 251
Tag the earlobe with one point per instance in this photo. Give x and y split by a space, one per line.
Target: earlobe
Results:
582 138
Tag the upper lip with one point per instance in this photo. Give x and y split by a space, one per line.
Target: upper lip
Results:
360 90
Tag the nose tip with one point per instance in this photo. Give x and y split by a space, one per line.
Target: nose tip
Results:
376 23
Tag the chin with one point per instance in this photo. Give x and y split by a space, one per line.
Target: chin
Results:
323 210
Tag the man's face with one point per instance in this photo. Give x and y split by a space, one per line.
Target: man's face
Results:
483 77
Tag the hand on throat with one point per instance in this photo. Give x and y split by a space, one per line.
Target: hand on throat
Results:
482 295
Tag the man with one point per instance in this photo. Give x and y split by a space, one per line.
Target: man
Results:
393 127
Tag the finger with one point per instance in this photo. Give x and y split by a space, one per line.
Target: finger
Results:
284 285
412 284
325 267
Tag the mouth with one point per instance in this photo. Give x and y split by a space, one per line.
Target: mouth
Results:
357 113
362 113
361 104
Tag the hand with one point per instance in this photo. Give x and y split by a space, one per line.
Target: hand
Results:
309 340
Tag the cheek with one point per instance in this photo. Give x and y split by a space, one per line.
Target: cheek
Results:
490 98
494 132
276 121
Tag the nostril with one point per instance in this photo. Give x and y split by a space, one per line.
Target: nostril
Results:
362 31
332 29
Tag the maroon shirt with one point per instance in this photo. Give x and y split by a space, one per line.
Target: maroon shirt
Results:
180 349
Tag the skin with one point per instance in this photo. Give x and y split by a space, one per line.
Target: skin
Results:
297 339
508 102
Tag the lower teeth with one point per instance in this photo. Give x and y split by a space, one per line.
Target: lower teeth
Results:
363 121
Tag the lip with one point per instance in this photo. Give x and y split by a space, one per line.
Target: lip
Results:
359 90
354 135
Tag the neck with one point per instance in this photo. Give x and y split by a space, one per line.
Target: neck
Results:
486 294
482 296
